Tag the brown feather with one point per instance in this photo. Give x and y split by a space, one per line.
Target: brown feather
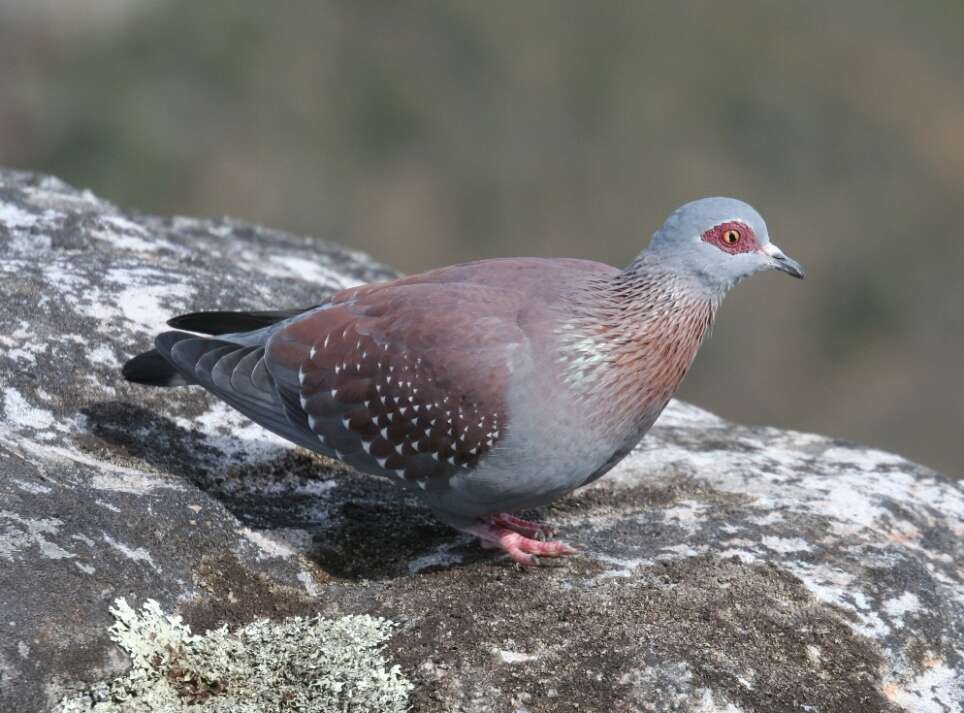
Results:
396 392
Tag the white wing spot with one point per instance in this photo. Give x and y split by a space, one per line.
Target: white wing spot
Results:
312 352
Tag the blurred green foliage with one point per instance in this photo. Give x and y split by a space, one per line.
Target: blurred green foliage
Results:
436 131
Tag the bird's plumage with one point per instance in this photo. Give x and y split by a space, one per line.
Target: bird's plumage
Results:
405 379
486 387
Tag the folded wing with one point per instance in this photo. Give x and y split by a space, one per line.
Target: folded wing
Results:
405 380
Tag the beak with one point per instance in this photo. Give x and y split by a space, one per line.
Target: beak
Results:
783 263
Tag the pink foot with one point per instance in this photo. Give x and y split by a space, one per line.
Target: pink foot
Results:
512 535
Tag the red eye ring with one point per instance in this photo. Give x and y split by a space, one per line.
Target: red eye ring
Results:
731 236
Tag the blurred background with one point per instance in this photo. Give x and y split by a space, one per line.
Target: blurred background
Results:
433 132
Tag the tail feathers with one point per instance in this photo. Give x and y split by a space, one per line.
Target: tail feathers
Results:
215 323
153 369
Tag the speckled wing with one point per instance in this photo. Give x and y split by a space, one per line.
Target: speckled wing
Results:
406 380
236 373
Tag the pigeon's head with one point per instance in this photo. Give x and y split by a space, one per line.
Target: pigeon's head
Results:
719 241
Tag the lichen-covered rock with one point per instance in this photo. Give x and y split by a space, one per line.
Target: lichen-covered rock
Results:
725 568
99 491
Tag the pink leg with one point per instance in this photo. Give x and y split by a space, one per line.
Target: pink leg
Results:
526 528
520 548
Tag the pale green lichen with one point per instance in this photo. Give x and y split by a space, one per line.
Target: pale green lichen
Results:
308 665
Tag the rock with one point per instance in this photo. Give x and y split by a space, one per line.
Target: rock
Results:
725 568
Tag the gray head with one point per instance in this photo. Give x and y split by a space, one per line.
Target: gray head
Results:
718 241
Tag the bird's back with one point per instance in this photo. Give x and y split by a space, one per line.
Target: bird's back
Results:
531 280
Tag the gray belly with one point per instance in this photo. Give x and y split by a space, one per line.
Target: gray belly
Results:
528 473
550 447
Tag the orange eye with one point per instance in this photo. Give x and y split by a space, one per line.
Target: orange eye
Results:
731 237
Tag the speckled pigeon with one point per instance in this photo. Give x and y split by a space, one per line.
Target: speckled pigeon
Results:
488 387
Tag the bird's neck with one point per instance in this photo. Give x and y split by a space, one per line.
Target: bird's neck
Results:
632 340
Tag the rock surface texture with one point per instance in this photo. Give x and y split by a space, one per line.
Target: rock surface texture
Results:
725 568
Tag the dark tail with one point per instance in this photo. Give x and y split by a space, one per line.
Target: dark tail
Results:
230 322
153 369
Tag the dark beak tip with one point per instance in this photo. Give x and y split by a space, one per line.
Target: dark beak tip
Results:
791 267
